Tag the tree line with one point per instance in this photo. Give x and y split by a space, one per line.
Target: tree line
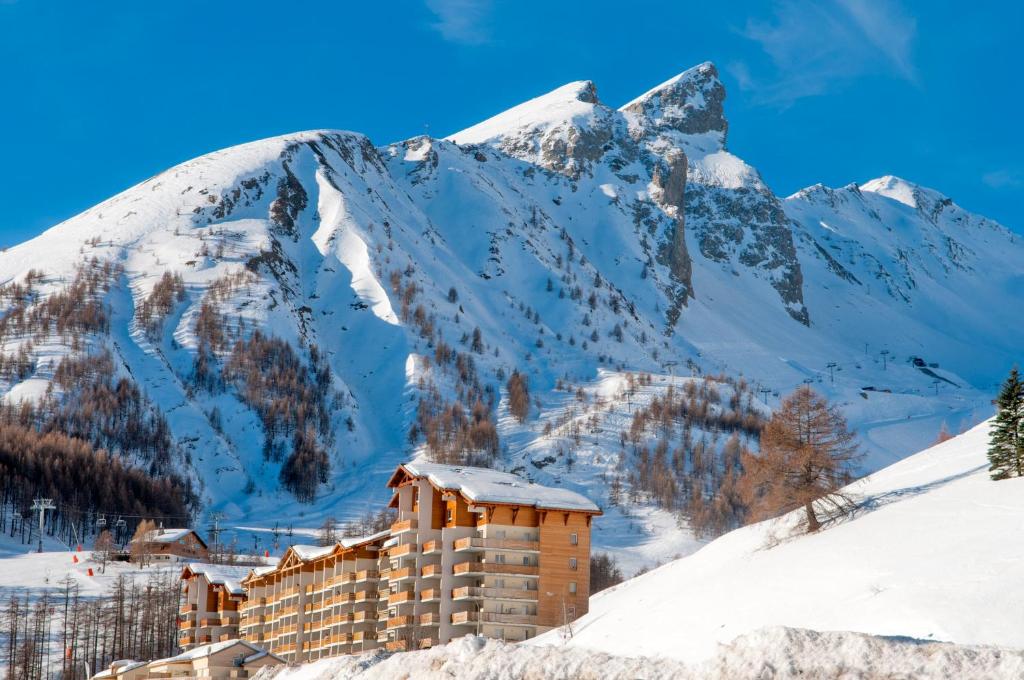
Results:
62 632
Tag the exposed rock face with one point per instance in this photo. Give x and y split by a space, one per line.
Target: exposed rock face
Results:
691 103
671 180
735 218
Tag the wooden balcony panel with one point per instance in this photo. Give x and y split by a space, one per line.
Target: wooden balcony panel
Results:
466 568
404 525
401 622
400 597
476 543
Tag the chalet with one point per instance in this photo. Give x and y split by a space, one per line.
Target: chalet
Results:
173 545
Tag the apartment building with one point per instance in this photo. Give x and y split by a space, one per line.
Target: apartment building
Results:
211 596
475 550
472 550
317 601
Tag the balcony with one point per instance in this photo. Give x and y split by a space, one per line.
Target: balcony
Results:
401 622
427 643
367 575
430 619
431 571
476 544
430 595
483 568
465 618
403 526
341 598
206 623
508 619
397 646
361 636
366 595
402 574
474 593
404 550
364 617
432 547
188 608
402 596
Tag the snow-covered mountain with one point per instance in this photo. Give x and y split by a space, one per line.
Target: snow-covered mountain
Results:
564 239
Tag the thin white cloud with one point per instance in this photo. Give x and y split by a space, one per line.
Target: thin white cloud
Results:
462 21
813 47
1003 179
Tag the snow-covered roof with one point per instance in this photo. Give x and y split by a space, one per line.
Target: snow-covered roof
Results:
360 540
167 535
219 574
483 485
311 552
207 650
117 667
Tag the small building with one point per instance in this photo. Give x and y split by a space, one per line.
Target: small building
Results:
174 545
124 669
211 596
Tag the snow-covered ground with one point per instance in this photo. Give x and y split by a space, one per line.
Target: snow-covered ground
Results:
767 654
931 555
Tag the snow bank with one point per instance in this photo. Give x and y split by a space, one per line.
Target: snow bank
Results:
768 654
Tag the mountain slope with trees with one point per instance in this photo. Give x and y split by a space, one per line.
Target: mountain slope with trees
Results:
282 322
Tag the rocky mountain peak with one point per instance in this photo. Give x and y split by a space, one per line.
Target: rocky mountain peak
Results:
691 103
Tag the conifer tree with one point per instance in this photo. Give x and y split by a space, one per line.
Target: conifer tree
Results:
1006 440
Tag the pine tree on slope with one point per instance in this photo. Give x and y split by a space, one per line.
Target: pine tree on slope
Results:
1006 440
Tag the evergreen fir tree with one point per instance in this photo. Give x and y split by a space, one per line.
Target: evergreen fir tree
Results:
1006 440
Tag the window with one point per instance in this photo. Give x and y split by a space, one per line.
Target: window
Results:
449 520
572 587
574 539
571 613
526 561
500 558
572 563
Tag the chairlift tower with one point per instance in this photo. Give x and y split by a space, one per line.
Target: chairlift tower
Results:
41 505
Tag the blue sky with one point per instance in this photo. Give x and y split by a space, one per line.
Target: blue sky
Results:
98 96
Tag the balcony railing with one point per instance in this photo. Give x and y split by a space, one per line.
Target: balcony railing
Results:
509 619
401 622
364 617
367 575
400 597
426 643
431 571
430 595
402 574
397 645
475 593
430 619
404 525
404 550
477 544
431 547
479 568
464 618
366 595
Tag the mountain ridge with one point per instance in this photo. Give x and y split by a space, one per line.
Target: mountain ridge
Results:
576 246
